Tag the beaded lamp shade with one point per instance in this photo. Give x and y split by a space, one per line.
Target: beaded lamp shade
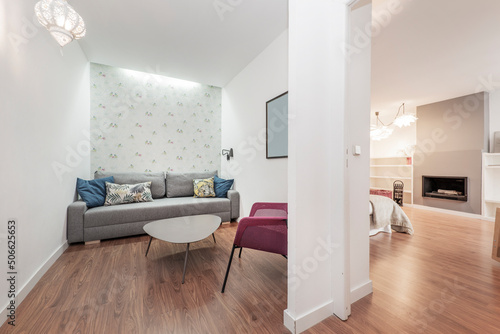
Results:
61 20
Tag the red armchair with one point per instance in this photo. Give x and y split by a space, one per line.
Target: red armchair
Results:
265 229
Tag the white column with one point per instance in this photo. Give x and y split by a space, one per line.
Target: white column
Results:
318 243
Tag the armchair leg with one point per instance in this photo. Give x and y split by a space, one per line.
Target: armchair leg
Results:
228 267
240 252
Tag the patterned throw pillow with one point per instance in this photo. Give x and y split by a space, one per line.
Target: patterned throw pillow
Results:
128 193
204 187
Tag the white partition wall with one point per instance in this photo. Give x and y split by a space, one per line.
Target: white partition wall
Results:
358 128
318 241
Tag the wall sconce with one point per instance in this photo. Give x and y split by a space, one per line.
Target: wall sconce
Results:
228 153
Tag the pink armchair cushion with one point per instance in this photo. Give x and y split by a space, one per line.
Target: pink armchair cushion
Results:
266 228
269 209
263 233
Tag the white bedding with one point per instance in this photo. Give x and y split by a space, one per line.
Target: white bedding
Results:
373 231
386 215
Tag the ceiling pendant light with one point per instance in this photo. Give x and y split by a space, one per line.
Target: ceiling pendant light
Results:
379 131
404 119
61 20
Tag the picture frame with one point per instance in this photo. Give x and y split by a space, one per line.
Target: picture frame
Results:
277 127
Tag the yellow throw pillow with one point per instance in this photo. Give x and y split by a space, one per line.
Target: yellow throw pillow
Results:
204 187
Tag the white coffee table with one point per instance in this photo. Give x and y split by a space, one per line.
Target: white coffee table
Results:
183 230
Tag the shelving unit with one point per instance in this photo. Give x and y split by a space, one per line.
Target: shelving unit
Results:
384 171
491 184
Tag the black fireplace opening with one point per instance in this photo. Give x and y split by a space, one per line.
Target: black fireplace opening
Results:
445 187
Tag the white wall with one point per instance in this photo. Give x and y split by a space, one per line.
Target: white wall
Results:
494 115
358 171
244 127
44 113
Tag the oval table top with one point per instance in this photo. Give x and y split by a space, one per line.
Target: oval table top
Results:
183 229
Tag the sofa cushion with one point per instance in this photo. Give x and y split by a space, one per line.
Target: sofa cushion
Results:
157 180
222 186
181 184
93 192
204 187
159 209
128 193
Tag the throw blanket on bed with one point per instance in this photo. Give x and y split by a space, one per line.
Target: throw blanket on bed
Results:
387 212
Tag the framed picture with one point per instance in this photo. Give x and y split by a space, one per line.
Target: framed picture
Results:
277 127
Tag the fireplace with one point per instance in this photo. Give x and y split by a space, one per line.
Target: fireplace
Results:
445 187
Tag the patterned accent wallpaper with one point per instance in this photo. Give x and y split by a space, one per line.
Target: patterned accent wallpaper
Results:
144 122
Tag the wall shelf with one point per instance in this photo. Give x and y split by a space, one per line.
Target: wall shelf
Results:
384 171
392 177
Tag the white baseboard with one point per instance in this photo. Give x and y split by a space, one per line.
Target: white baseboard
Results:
308 320
288 321
25 290
361 291
451 212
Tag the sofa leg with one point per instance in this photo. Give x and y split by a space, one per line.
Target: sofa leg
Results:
93 242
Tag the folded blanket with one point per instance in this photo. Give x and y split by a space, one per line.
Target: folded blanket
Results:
387 212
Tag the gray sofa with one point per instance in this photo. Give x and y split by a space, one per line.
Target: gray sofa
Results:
172 197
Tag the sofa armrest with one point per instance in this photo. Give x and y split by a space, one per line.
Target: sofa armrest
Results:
234 198
76 210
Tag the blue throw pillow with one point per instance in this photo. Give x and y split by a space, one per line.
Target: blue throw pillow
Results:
222 186
93 192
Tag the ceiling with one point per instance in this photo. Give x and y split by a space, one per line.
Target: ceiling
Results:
434 50
429 51
206 41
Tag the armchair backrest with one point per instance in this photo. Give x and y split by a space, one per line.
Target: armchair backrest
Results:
262 209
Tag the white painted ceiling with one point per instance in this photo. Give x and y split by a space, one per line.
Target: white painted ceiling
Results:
206 41
431 50
434 50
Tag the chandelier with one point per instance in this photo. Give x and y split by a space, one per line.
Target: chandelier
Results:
381 131
61 20
404 119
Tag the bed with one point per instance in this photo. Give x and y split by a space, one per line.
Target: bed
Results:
386 215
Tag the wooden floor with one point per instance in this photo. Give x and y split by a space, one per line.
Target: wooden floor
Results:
441 280
112 287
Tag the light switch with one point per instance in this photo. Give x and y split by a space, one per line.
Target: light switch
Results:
356 150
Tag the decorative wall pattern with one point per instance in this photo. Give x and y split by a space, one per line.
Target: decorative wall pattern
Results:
143 122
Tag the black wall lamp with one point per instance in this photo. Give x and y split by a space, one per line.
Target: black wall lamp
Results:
228 153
